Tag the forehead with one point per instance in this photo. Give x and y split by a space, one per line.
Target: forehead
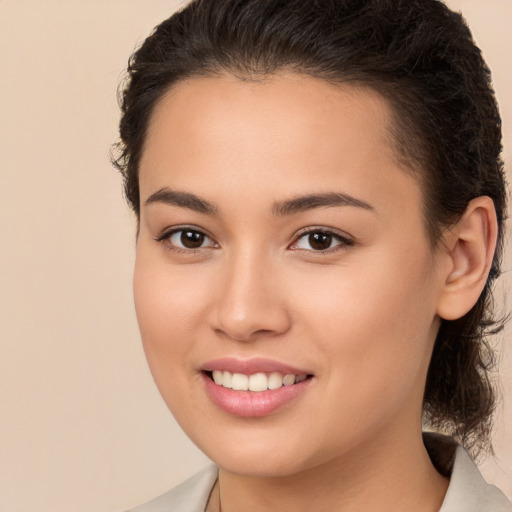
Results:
290 131
287 105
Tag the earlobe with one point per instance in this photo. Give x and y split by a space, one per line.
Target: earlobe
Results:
470 246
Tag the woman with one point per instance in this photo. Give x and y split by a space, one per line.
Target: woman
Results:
320 200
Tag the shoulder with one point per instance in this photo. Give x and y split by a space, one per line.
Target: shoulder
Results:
190 496
468 491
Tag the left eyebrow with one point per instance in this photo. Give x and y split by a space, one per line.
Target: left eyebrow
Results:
309 202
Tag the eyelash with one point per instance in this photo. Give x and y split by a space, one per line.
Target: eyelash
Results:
165 236
344 240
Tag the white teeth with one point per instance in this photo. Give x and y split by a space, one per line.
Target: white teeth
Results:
275 380
217 377
255 382
227 380
258 382
240 382
288 380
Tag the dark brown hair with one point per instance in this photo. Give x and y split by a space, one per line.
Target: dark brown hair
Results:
421 57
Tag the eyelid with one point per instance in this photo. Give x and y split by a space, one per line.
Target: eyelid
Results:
344 238
164 236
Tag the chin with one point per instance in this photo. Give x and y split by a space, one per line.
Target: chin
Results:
260 465
256 456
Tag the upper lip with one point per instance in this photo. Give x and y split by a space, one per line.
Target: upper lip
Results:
251 366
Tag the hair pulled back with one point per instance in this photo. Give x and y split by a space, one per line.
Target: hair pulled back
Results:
421 57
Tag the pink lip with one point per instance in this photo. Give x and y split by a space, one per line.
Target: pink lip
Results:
250 366
251 404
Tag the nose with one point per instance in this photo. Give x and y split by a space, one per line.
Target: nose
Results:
250 302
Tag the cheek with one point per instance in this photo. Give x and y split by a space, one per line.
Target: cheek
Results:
372 324
168 304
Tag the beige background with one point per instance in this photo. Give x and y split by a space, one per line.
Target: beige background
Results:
82 428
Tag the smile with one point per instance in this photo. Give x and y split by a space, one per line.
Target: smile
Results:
256 382
254 389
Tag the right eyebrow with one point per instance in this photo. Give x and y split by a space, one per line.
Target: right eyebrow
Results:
183 200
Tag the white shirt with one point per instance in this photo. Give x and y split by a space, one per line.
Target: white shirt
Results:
467 491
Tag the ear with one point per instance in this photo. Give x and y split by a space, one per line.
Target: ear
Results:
470 246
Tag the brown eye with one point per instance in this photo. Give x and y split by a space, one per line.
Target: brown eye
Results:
190 239
319 240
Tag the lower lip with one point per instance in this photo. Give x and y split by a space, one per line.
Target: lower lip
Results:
251 404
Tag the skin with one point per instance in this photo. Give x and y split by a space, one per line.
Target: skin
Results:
361 316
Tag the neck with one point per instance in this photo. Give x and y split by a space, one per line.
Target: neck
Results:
379 477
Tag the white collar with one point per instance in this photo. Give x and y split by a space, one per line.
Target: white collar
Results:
467 491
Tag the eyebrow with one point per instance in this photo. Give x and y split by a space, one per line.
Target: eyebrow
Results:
183 200
280 208
309 202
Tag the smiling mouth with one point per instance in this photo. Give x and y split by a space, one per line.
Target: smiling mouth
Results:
256 382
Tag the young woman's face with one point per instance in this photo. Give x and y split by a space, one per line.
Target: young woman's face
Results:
280 241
